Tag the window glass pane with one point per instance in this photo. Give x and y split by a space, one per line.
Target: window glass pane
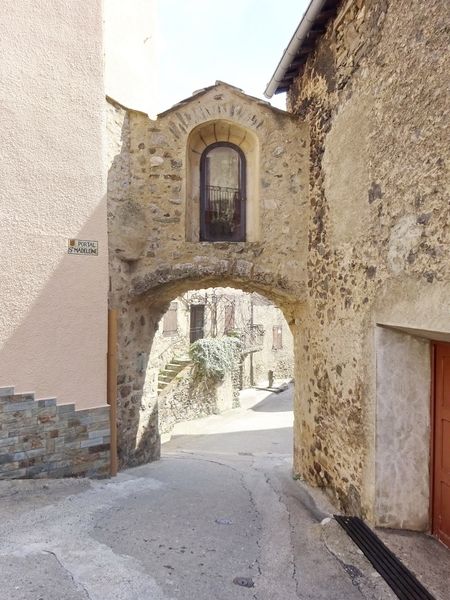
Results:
222 195
223 167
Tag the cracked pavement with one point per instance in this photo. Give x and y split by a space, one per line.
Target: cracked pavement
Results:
220 509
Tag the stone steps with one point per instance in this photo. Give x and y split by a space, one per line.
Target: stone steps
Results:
171 370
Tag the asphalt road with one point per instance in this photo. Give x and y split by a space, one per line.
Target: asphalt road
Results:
219 517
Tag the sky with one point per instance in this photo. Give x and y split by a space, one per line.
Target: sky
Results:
236 41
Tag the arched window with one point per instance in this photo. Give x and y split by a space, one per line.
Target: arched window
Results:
222 193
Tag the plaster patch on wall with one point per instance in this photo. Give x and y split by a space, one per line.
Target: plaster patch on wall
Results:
404 238
402 430
345 171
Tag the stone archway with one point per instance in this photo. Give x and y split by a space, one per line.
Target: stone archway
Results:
138 436
155 252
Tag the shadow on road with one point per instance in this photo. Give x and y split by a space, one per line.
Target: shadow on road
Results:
275 403
261 441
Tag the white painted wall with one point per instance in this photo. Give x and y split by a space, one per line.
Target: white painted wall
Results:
130 46
402 430
53 306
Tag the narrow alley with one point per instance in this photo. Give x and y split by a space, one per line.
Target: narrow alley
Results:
218 518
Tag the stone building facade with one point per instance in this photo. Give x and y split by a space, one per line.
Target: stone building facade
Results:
154 214
277 346
267 344
373 87
347 231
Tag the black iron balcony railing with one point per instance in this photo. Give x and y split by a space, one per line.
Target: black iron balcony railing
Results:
222 205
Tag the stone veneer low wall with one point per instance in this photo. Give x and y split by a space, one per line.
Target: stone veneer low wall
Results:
39 438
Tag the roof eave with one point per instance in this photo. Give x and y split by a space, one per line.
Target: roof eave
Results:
278 82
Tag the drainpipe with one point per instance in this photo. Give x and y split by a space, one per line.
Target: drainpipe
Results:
298 38
112 387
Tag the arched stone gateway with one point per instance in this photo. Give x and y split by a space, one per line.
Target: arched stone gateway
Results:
138 412
154 193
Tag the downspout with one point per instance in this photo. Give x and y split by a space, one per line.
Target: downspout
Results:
298 38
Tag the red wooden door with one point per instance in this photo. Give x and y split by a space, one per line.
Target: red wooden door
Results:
441 462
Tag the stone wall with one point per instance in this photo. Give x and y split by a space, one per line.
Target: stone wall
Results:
279 360
39 438
375 94
350 231
153 258
154 203
188 398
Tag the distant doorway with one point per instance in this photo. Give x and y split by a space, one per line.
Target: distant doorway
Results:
441 444
197 322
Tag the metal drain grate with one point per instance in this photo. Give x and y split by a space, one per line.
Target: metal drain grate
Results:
405 585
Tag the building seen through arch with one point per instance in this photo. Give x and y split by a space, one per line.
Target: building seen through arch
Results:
265 344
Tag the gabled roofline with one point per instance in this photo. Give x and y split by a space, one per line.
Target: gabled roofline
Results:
116 103
236 90
291 60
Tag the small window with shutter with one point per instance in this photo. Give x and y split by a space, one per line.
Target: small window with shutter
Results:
229 318
277 337
170 320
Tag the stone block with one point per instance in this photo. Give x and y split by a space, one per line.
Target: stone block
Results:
34 470
18 406
91 442
10 466
16 474
9 441
63 409
100 448
99 433
6 391
46 402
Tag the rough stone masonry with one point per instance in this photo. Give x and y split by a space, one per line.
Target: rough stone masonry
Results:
374 92
348 232
154 247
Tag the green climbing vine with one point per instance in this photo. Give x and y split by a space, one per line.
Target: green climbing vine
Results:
214 357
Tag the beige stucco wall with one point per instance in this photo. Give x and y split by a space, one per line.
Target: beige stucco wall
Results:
53 315
130 53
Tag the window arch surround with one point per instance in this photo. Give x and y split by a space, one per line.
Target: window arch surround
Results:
223 193
200 138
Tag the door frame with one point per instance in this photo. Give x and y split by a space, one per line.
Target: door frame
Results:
432 430
193 308
434 345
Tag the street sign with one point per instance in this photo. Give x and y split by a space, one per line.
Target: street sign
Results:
86 247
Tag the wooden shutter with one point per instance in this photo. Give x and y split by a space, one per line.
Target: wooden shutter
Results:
229 318
277 337
170 320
